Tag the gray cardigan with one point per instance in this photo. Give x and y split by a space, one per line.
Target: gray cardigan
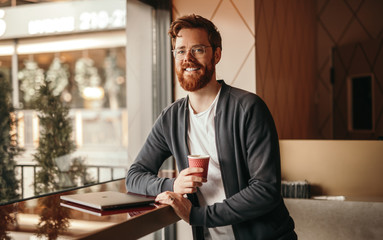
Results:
248 153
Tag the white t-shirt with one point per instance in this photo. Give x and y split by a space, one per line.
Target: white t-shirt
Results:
201 140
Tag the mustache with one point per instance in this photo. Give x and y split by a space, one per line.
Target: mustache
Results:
191 65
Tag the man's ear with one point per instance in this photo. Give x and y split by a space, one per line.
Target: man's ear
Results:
217 55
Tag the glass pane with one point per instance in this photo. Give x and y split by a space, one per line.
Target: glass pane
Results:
92 84
91 79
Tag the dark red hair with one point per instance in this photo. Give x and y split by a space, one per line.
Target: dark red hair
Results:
196 21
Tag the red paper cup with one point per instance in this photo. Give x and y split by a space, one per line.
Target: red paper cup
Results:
201 161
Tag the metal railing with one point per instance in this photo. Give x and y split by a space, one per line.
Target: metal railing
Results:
23 167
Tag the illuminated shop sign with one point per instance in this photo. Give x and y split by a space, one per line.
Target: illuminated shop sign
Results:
62 17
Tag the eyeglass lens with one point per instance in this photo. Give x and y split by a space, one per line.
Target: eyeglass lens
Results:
196 51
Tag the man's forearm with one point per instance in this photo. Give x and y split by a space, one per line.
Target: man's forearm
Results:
144 182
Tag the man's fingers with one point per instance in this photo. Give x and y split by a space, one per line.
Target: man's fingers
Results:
192 184
194 179
165 198
186 182
190 190
191 170
191 181
168 198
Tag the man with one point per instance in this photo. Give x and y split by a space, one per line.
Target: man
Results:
240 199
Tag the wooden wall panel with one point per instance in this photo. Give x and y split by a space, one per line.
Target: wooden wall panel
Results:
285 53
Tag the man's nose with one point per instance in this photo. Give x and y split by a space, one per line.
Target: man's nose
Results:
189 56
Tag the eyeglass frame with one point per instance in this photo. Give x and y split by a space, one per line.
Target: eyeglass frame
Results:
174 51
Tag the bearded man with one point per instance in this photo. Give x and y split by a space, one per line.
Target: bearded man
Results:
240 198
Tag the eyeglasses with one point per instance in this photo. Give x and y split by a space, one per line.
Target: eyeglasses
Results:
196 51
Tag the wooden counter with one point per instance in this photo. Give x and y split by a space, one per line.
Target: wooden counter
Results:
44 216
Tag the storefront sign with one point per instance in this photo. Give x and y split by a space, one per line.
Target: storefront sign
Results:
61 17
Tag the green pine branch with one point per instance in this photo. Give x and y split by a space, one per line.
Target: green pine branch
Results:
55 140
8 144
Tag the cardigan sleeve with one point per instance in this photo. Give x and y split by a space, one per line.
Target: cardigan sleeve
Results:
142 175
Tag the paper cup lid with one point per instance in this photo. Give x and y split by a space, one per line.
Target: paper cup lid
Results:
198 156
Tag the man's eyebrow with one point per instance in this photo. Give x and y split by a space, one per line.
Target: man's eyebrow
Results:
197 45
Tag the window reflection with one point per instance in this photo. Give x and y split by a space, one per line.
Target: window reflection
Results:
53 220
7 219
91 79
8 145
92 83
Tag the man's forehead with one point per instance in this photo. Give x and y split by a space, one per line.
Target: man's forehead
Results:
191 30
191 37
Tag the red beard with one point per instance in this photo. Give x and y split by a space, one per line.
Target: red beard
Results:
193 83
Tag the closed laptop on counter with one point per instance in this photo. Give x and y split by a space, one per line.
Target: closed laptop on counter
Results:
108 200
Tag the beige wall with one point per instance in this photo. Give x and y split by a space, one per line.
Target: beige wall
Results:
235 21
351 168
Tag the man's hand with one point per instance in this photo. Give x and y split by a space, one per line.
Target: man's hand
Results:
181 205
186 182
